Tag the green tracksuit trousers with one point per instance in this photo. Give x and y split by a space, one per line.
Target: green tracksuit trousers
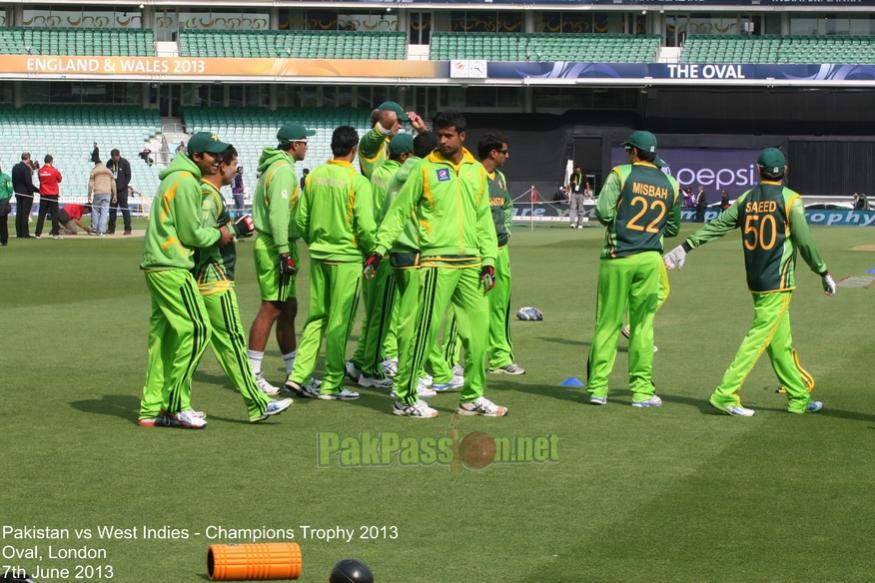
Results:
179 330
378 294
334 289
628 282
390 342
770 332
420 320
500 351
229 346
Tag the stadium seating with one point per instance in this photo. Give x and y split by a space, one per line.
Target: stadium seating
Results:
295 44
68 132
779 49
544 47
250 130
76 41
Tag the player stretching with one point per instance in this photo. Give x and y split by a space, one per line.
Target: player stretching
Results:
638 204
179 327
276 249
773 221
214 271
449 195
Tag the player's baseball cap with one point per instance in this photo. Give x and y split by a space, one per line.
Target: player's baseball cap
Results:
400 143
643 140
206 142
772 161
392 106
292 132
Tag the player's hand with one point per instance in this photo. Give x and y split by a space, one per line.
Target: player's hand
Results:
288 267
829 284
675 258
244 226
226 236
487 277
417 122
372 263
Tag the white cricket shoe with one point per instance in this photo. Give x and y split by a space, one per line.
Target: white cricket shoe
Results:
418 410
455 383
459 370
273 408
390 367
814 406
187 420
594 400
481 406
265 387
653 401
511 369
353 372
734 410
367 382
342 395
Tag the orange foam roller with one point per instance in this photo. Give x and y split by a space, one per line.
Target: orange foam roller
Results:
254 562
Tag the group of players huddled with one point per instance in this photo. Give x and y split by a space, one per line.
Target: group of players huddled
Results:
421 233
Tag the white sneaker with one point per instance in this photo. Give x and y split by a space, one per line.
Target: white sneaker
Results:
594 400
353 372
814 406
273 408
312 389
187 420
734 410
264 386
653 401
57 237
455 384
511 369
419 410
459 370
342 395
423 390
481 406
390 367
366 382
426 379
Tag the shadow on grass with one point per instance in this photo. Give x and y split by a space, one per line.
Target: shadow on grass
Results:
124 406
582 343
574 394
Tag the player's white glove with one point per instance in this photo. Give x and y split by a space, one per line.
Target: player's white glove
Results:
675 258
829 284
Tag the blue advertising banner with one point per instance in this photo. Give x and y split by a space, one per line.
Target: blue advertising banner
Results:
568 70
717 169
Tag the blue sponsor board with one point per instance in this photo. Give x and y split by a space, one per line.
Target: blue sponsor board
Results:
569 70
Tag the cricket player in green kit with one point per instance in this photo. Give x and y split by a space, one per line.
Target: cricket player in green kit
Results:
379 292
772 219
386 121
214 272
449 195
275 248
638 205
493 150
179 327
336 220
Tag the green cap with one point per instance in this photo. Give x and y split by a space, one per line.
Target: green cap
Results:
400 143
291 132
643 140
392 106
772 161
206 142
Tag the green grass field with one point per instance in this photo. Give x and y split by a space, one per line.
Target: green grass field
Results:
671 494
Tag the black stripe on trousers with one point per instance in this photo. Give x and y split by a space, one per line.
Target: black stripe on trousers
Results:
198 332
351 318
426 305
236 338
507 328
452 338
385 320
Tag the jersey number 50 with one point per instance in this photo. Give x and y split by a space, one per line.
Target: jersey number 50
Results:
755 228
645 207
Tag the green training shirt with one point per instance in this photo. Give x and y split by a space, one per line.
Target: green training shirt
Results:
373 149
335 216
5 186
214 265
408 238
380 180
451 206
501 205
175 228
772 219
638 204
276 198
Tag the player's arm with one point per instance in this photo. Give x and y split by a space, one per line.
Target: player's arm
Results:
507 207
364 224
673 225
728 221
281 189
801 236
188 203
606 207
485 227
371 142
90 186
399 211
302 214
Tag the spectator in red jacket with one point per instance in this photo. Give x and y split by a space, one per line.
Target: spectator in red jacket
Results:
49 178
